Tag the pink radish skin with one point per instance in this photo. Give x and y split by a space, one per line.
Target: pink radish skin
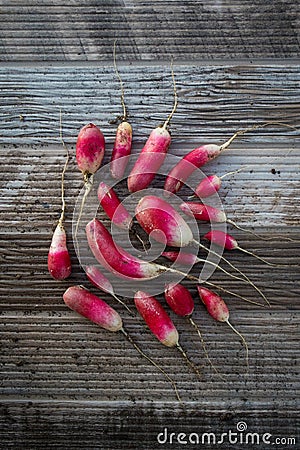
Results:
121 150
90 149
219 311
92 307
202 212
222 239
184 258
165 224
113 207
150 159
179 299
59 262
215 305
156 318
208 186
116 259
99 280
188 164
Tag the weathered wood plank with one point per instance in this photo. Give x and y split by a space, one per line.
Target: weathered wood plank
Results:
214 101
194 30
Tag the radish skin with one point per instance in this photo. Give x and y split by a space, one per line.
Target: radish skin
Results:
202 212
150 160
59 262
93 308
113 207
158 217
160 323
156 318
98 279
90 149
121 150
184 258
208 186
219 311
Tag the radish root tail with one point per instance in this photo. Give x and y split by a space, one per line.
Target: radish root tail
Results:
204 348
189 362
243 340
167 122
140 351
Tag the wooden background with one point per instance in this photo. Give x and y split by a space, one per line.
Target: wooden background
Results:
64 382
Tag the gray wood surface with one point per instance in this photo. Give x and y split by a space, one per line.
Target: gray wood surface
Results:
148 30
65 383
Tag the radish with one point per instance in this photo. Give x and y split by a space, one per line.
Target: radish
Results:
123 141
160 323
210 185
113 207
219 311
201 156
181 302
227 241
98 279
158 217
117 260
88 305
153 154
59 261
90 149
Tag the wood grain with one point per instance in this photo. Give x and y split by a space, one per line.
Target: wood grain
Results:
148 30
64 382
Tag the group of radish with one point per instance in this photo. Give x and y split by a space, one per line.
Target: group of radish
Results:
156 216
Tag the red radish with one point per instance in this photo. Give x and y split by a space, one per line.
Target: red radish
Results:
219 311
158 217
159 323
117 260
227 241
88 305
93 308
181 302
59 261
202 212
90 149
210 185
98 279
184 258
123 141
121 150
201 156
113 207
153 154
